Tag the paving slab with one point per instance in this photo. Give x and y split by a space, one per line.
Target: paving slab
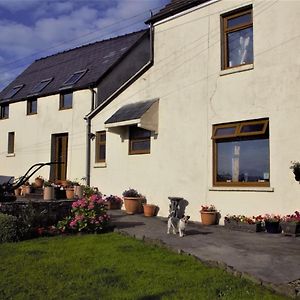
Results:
270 258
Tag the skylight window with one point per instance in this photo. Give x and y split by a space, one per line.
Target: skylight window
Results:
13 91
41 85
75 77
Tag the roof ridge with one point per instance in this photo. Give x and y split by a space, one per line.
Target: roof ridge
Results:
87 45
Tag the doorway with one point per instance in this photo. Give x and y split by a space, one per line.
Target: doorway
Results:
59 153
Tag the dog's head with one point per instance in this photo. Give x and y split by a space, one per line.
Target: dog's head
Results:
185 219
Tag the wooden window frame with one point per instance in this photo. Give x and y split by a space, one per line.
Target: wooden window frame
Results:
61 101
11 143
237 134
226 30
98 144
29 107
2 110
136 139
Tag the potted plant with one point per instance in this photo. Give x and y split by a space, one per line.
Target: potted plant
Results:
133 201
112 202
26 188
150 210
243 223
209 215
272 223
296 169
39 181
78 189
290 224
70 190
48 191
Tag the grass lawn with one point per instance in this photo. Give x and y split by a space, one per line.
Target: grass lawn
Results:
111 266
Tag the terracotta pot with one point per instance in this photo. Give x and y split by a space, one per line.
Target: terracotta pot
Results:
27 189
78 191
133 205
149 210
18 192
70 193
39 182
48 193
208 217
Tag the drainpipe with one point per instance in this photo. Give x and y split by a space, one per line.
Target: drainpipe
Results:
88 140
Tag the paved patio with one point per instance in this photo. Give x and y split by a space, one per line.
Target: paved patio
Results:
272 260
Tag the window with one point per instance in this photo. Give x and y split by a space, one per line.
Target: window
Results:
4 111
75 77
139 140
41 85
241 154
11 143
32 107
237 46
13 91
66 101
100 146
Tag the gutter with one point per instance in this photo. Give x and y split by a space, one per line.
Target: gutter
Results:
94 111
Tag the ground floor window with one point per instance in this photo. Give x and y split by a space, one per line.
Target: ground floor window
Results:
139 140
100 146
241 154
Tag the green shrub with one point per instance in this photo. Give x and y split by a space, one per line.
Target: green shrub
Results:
8 228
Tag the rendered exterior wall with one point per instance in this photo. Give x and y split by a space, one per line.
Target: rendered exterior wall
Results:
195 94
33 135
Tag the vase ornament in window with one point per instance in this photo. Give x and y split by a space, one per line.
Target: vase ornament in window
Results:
296 169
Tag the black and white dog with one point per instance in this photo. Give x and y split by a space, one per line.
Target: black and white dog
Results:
177 225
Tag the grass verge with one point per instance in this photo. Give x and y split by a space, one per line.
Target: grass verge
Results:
112 266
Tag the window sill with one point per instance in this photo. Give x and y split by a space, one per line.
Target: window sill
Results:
65 108
10 155
237 69
241 189
100 165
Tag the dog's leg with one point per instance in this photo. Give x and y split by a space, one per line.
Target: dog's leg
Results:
169 226
181 233
174 228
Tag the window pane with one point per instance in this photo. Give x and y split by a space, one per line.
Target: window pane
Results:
143 145
102 137
4 111
240 47
32 107
225 131
102 153
67 100
252 128
11 142
243 161
240 20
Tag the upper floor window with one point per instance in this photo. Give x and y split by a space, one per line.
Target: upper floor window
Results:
41 85
237 36
32 107
100 146
241 154
139 140
13 91
11 143
4 111
66 101
75 77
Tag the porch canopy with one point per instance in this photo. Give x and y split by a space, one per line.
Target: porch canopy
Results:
144 114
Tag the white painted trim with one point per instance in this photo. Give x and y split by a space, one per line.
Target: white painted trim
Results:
100 165
10 155
123 123
186 12
241 189
237 69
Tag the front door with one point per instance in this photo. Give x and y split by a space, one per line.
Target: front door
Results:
59 153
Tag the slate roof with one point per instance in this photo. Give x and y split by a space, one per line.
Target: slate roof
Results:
96 58
174 7
130 111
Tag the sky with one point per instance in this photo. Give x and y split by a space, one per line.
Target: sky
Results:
31 29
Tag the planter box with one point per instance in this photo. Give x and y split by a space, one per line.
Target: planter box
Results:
272 227
290 228
234 225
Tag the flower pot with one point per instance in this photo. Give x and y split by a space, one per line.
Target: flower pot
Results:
133 204
78 191
39 182
208 217
272 227
149 210
70 193
26 189
48 193
18 192
290 228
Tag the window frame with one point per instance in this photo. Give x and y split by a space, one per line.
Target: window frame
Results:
81 72
132 140
29 106
237 135
61 101
13 91
11 143
98 144
42 84
225 30
4 116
